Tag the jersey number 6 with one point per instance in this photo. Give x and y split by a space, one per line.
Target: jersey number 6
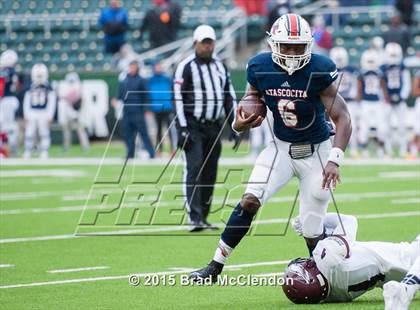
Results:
287 112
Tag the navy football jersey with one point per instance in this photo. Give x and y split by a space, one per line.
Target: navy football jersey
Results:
39 96
9 81
347 82
371 85
393 76
299 115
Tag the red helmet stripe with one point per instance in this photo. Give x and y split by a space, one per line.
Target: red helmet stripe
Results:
294 27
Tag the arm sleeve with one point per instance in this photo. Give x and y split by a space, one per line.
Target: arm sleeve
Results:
180 79
230 99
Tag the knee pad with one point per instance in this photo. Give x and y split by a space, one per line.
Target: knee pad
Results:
250 203
312 224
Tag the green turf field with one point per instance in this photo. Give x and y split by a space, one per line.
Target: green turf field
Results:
49 261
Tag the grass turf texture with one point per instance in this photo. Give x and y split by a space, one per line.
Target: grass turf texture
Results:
45 206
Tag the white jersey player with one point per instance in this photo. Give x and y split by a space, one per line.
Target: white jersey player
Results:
38 111
9 103
349 268
377 44
69 108
373 109
398 86
347 86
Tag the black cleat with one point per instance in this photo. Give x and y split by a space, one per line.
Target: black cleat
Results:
209 226
211 271
197 226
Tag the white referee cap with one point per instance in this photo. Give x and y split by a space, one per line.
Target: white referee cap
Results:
204 32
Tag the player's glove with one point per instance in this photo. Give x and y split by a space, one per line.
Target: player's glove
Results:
184 138
236 138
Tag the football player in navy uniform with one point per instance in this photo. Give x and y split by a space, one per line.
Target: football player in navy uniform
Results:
297 87
347 86
39 106
374 108
9 103
398 85
415 143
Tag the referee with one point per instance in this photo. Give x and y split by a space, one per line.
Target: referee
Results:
204 96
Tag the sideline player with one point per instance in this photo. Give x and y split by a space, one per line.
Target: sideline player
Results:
38 110
298 88
372 94
347 87
398 85
9 103
342 268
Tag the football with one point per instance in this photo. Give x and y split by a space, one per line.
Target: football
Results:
253 104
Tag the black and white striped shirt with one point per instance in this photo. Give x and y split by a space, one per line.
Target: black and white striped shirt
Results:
203 90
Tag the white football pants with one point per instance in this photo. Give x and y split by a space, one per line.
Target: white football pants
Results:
372 116
354 109
398 114
37 123
273 170
8 124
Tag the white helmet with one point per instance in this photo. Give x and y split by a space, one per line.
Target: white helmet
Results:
394 53
72 77
39 74
8 58
370 60
377 43
340 56
290 29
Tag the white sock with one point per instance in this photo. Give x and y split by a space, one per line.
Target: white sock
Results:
222 253
412 278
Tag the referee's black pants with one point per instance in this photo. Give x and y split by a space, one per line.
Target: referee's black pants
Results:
201 167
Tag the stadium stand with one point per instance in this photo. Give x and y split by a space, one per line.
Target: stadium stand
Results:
65 34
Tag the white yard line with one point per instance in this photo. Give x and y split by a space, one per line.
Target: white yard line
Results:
400 174
406 201
231 161
343 197
263 275
42 173
80 195
186 227
6 265
94 279
77 269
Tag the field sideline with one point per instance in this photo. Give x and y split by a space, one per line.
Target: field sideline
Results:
48 262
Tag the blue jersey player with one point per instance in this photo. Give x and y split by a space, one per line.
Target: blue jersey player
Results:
346 83
397 84
9 104
297 87
373 109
